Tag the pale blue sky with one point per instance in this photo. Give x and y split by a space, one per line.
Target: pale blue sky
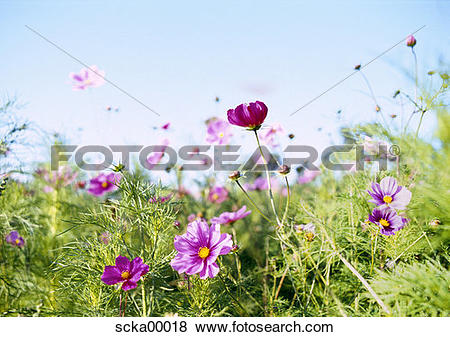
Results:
176 56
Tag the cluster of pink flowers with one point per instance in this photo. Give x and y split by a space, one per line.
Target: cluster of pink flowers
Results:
56 180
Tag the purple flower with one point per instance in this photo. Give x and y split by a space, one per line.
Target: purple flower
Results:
249 116
308 176
88 77
268 135
15 239
103 183
411 41
218 132
218 194
230 217
388 220
199 248
105 237
125 272
389 194
155 157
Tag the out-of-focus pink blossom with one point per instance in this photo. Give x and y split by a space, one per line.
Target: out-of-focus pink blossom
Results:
308 176
219 132
155 157
87 77
218 194
269 135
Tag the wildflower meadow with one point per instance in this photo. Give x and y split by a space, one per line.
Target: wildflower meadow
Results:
362 230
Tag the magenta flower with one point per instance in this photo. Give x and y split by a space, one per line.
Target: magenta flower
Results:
308 176
389 194
218 132
268 135
155 157
160 200
388 220
88 77
165 126
230 217
125 272
411 41
15 239
191 217
249 116
103 183
218 194
199 248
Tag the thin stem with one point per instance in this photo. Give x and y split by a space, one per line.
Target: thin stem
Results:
288 200
144 308
349 266
412 244
266 166
252 202
231 295
416 78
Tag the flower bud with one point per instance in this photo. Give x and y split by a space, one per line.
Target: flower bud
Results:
411 41
235 175
284 170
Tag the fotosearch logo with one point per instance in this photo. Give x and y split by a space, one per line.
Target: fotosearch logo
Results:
224 157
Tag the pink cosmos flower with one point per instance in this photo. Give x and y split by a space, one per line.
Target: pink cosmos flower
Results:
389 194
227 218
308 176
199 248
155 157
218 194
88 77
125 272
260 184
268 135
218 132
15 239
249 116
103 183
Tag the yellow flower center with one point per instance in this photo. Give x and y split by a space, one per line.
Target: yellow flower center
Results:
309 236
104 184
125 275
215 196
221 135
384 223
387 199
203 252
17 241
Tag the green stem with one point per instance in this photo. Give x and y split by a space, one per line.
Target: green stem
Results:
252 202
288 200
144 308
266 166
